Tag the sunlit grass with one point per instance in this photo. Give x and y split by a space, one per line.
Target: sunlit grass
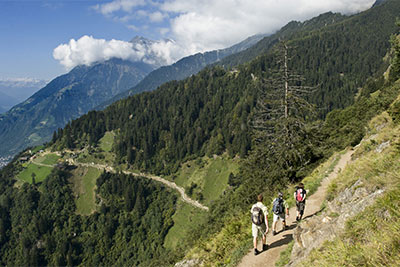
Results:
40 173
371 238
185 217
84 183
210 175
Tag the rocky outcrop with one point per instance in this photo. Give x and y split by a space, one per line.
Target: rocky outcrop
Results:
312 232
188 263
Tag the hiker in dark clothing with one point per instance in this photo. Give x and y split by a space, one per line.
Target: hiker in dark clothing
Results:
300 197
279 206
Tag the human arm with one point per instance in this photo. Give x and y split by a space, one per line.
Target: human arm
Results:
286 208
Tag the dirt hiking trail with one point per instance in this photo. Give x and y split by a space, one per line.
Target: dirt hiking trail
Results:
170 184
279 242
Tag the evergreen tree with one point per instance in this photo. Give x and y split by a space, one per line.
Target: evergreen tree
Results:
395 62
33 178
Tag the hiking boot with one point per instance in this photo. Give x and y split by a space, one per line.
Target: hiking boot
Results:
297 219
256 252
265 247
273 232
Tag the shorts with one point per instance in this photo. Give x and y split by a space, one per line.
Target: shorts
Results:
300 206
258 230
279 216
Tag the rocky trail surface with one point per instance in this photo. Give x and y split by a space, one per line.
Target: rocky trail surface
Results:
279 242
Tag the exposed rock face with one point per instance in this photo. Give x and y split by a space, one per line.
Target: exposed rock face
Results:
188 263
312 232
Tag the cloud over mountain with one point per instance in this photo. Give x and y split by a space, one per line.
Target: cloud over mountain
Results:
195 26
199 26
87 50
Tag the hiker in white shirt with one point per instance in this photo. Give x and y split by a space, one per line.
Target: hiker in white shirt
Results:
259 226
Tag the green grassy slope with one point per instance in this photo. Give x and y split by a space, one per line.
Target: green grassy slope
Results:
372 237
84 184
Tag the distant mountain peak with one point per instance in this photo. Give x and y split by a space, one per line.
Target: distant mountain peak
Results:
141 40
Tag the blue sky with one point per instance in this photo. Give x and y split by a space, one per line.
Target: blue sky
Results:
43 39
30 30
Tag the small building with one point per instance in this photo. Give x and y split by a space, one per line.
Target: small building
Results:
23 159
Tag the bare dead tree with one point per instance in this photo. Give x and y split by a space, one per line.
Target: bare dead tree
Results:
282 114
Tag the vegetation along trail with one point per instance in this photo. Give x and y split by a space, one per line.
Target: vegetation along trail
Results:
279 242
170 184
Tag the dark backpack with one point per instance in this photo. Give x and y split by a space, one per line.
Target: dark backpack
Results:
299 194
257 216
277 206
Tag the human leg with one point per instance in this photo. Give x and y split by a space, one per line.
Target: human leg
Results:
275 220
254 232
297 211
302 206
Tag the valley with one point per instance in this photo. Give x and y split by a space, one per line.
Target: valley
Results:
124 163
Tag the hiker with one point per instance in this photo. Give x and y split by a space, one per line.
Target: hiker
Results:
279 206
300 197
259 226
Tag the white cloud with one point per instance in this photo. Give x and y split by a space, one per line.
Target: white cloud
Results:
118 5
88 50
210 24
203 25
157 16
21 81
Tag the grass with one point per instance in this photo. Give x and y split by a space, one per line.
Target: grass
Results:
313 181
376 170
311 184
102 154
184 218
371 238
228 246
107 141
48 159
96 156
84 183
37 149
41 172
210 175
284 257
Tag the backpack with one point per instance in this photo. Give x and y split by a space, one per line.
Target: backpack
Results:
299 195
257 216
277 206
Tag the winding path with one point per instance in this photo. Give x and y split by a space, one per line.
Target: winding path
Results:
170 184
279 242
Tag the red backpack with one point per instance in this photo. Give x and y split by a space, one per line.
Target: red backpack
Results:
299 194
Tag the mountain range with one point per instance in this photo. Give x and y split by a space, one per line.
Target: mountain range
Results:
84 88
69 96
117 186
14 91
184 68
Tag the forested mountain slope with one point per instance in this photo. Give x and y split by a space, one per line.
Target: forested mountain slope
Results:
43 220
67 97
183 68
209 113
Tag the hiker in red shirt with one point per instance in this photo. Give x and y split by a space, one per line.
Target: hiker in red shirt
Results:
300 197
